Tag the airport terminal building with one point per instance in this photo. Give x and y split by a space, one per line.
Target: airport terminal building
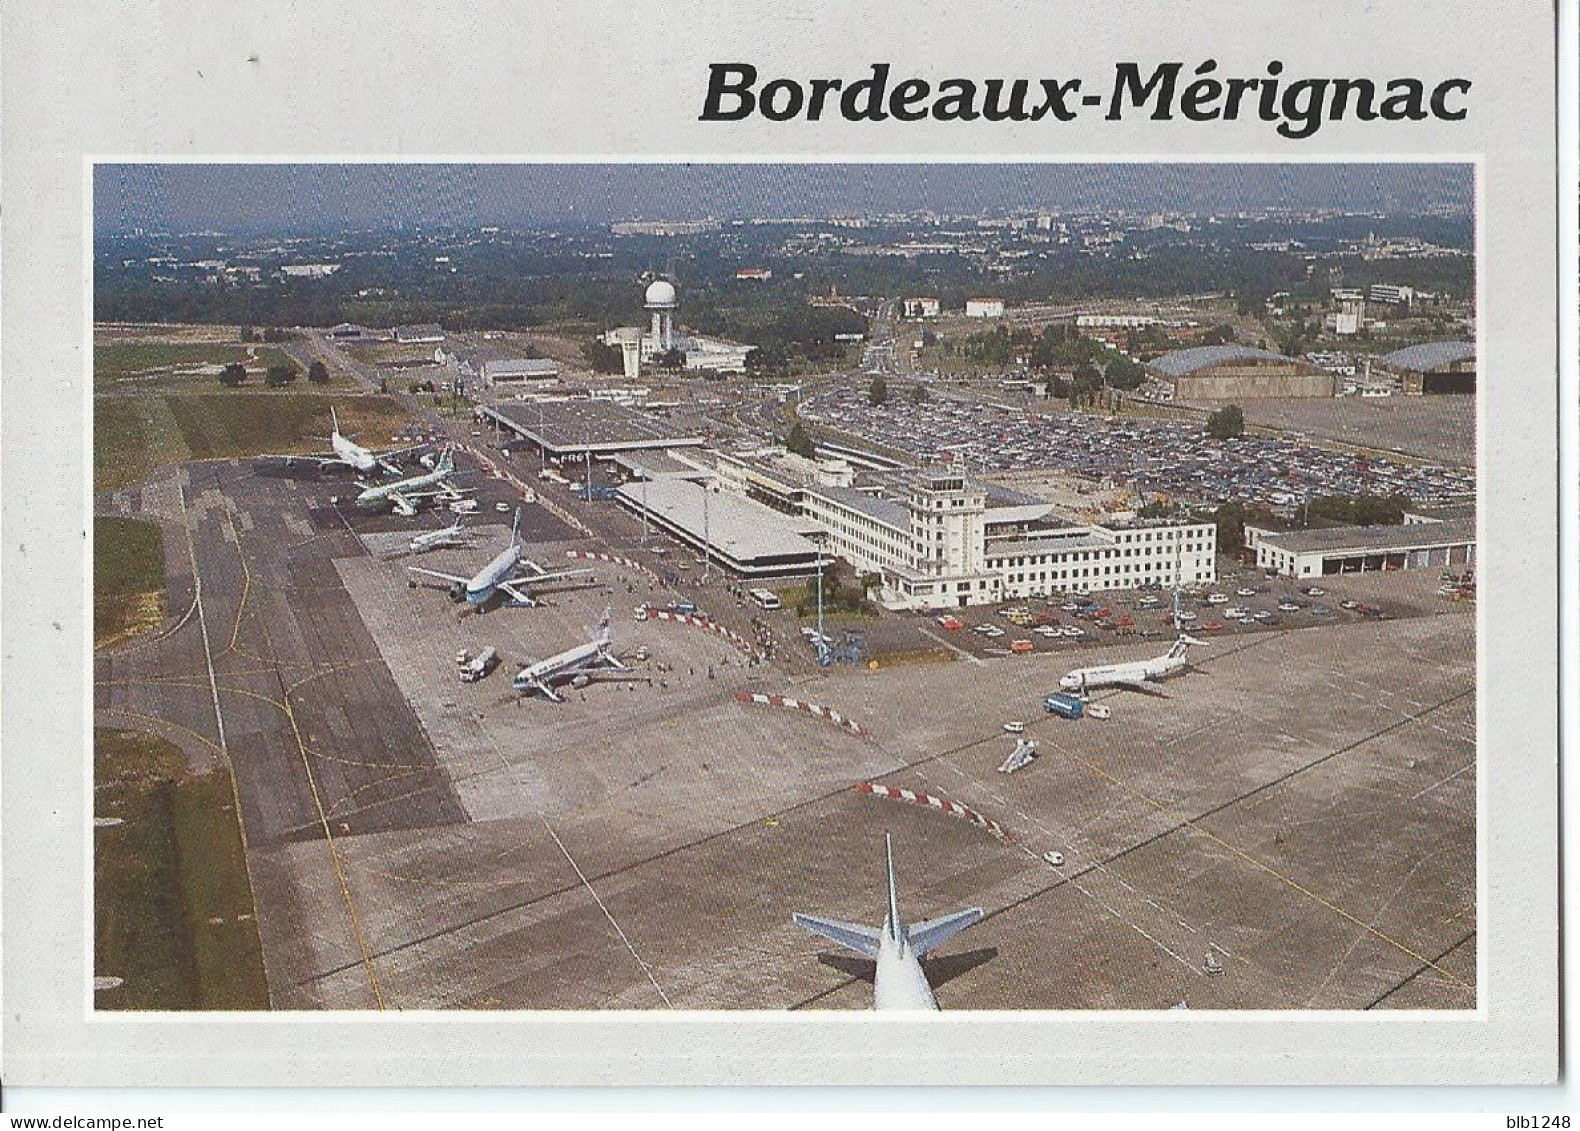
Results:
941 541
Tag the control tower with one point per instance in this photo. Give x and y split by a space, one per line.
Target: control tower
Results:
661 302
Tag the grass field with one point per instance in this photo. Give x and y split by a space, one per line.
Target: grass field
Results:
134 367
128 579
173 914
134 435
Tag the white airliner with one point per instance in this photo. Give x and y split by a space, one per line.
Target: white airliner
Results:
452 535
348 453
1139 675
404 494
500 575
576 666
900 982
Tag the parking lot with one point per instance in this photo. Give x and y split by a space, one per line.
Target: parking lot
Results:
1163 457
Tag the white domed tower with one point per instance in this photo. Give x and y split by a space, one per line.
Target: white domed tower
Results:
662 301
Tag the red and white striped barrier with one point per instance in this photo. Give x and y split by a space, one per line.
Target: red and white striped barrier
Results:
703 623
817 709
591 556
953 808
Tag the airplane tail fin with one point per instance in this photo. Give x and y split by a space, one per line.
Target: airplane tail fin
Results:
1183 642
447 460
894 926
921 938
334 422
601 636
515 527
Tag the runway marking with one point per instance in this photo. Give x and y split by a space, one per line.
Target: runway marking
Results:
956 649
1071 877
155 719
1191 823
377 783
647 970
1422 793
334 853
219 715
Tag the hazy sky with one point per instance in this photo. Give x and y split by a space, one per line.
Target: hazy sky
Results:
327 198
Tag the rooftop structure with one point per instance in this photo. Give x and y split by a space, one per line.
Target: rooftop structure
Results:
575 427
747 537
1429 356
1180 362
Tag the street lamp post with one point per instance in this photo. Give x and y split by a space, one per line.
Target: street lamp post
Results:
707 540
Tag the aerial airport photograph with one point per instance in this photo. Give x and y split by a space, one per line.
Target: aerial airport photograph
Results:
784 587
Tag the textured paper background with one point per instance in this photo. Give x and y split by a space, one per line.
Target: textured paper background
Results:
492 80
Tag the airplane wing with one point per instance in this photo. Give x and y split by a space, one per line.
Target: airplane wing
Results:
542 688
515 594
435 573
385 458
924 937
542 576
1139 683
324 462
862 940
403 504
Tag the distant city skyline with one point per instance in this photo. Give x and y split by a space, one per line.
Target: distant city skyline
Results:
310 199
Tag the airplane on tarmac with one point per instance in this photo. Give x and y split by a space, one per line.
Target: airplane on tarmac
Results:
403 495
1138 675
348 453
900 982
576 666
451 535
499 575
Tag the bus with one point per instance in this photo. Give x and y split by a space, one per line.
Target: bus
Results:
765 598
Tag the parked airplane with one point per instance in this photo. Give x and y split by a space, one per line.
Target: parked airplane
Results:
1139 675
346 452
576 666
451 535
403 495
499 575
900 982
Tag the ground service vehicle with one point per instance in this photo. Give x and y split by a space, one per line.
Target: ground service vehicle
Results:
480 665
1066 706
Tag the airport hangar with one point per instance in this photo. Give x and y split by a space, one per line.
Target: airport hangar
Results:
1433 368
1238 373
1431 544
